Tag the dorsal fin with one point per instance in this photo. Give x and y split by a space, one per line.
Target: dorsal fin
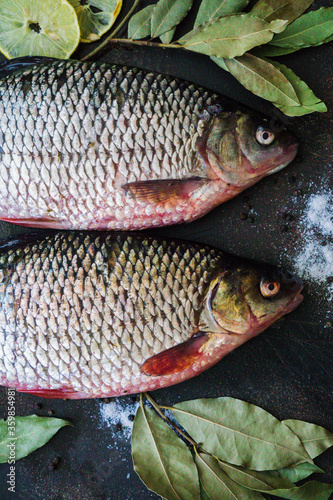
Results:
20 63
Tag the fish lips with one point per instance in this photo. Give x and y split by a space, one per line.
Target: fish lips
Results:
288 155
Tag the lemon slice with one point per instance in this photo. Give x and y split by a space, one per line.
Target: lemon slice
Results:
95 17
38 28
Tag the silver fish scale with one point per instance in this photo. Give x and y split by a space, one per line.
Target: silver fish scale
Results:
72 133
84 312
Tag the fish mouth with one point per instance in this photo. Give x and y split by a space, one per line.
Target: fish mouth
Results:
295 302
288 155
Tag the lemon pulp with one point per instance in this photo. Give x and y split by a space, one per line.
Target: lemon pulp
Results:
95 17
38 27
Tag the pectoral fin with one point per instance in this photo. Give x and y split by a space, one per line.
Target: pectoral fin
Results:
162 190
175 359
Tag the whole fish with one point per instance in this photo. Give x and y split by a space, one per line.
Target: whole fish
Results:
86 315
93 146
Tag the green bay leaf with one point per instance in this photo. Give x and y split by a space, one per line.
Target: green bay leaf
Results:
139 25
231 36
31 432
315 439
240 433
264 481
217 484
298 472
280 9
309 30
312 490
269 50
161 459
262 78
309 102
211 9
168 36
167 14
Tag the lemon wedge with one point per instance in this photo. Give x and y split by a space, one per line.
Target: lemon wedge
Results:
95 17
38 28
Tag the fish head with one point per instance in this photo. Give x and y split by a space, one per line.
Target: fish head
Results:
246 298
242 148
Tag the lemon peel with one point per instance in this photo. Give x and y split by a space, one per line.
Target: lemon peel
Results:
95 17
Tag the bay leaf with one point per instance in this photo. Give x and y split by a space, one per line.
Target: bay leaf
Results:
315 439
309 30
298 472
231 36
270 50
240 433
264 481
312 490
31 432
168 36
269 482
161 459
167 14
203 494
262 78
309 102
211 9
280 9
139 25
217 484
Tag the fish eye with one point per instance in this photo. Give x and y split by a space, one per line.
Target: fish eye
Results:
264 136
269 288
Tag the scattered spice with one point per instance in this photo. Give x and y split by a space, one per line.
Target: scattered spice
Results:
54 464
119 415
314 260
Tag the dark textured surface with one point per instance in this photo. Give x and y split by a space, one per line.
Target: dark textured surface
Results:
286 370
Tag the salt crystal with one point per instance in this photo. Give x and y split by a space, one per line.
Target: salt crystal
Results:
119 412
314 260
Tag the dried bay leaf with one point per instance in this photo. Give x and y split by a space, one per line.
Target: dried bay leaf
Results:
298 472
167 14
309 102
240 433
161 459
168 36
262 78
310 30
315 439
231 36
217 484
269 50
264 481
31 432
312 490
280 9
139 25
211 9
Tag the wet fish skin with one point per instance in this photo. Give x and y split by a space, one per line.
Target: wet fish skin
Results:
86 315
95 146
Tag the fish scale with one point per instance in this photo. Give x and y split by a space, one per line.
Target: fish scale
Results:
93 146
83 312
53 120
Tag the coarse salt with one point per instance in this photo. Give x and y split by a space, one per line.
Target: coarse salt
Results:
314 260
121 413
